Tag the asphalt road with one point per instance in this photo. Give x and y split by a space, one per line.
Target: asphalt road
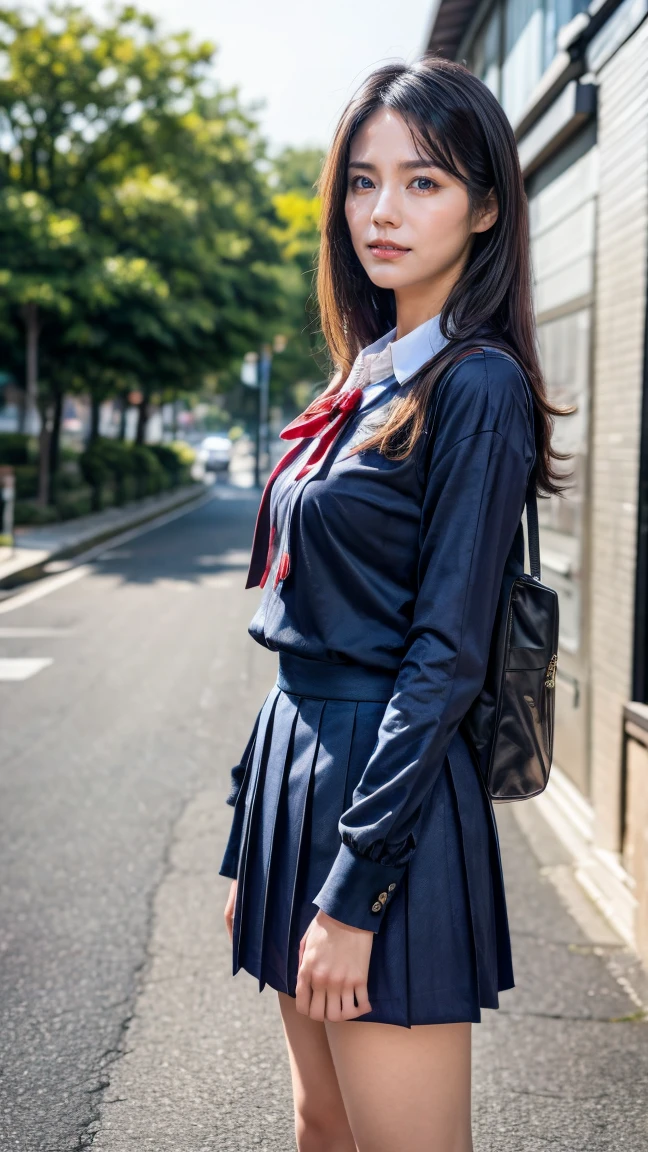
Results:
120 1027
148 699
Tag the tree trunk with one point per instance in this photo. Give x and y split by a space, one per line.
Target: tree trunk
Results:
142 418
121 435
32 329
44 453
95 405
22 415
55 439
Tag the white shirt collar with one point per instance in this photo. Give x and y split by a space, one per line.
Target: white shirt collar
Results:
400 358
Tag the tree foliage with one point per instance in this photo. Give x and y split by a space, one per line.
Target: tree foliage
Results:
147 241
297 206
134 208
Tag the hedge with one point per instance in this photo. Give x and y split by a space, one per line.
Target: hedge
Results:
77 502
26 476
14 448
109 472
29 512
136 469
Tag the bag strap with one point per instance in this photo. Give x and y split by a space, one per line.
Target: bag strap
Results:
533 534
531 499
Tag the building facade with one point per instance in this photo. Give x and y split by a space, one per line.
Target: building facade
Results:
573 80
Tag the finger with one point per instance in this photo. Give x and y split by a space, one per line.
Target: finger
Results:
302 945
333 1005
362 999
303 994
318 1004
349 1008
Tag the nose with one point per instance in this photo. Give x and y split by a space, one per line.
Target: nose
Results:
386 211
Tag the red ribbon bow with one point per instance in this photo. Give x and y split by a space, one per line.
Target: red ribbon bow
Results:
324 418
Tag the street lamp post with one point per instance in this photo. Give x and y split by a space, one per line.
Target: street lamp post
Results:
263 444
255 372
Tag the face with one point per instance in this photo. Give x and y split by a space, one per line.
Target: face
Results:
410 221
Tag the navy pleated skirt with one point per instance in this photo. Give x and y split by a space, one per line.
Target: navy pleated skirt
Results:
443 949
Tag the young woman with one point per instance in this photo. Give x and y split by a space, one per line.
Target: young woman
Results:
367 885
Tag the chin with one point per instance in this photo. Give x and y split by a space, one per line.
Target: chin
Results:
388 277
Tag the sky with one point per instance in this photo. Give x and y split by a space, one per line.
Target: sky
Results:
304 59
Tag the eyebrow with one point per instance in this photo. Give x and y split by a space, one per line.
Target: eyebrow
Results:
406 164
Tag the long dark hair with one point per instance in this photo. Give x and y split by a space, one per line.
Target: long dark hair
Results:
458 123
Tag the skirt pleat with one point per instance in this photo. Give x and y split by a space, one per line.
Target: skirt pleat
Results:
482 866
443 951
290 849
246 893
285 719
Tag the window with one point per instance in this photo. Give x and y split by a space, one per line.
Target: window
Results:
523 53
557 13
516 44
485 55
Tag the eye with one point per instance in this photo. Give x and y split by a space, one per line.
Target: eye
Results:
426 184
366 182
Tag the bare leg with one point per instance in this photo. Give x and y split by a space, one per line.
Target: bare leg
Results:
405 1088
321 1123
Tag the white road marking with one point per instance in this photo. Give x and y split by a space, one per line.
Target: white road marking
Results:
176 585
36 633
233 558
220 580
52 583
22 668
57 566
44 587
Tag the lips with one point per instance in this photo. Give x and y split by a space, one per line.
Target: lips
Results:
387 245
387 250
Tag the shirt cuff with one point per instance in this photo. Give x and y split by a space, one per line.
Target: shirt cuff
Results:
357 890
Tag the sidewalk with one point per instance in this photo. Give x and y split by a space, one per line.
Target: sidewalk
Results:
36 546
202 1067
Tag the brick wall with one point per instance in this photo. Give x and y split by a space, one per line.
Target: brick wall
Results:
622 259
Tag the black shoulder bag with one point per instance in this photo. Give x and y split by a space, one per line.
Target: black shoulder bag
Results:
511 723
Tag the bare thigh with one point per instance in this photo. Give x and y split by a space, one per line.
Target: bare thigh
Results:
321 1123
405 1088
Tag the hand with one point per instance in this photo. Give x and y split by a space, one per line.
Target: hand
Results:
229 909
333 967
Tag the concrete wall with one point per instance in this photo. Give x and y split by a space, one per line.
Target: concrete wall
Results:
620 311
635 846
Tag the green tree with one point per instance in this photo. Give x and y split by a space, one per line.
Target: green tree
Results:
304 363
123 131
298 170
42 252
79 98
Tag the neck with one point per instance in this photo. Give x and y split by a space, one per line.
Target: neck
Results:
416 303
411 314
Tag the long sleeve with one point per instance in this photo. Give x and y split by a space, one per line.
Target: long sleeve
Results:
478 463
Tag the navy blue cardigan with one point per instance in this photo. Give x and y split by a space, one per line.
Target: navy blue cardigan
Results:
398 564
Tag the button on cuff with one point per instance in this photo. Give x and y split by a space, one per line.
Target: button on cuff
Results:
358 889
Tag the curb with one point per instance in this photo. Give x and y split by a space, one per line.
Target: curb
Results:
560 869
34 571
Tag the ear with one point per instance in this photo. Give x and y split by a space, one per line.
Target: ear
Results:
486 216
